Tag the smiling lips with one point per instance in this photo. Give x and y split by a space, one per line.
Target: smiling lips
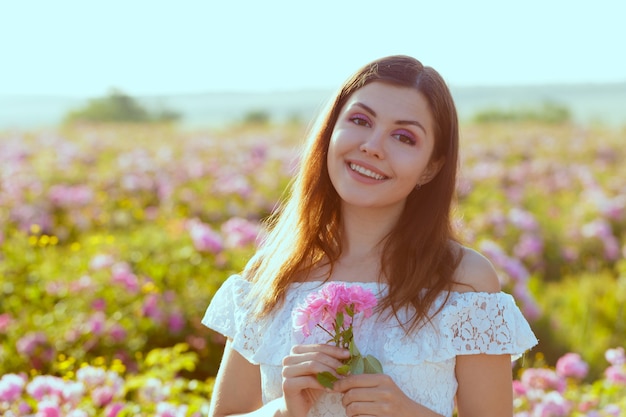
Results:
366 172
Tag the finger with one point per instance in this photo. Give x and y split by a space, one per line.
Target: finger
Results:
362 381
294 385
311 357
309 364
330 350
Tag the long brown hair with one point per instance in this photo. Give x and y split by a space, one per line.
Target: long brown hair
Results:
418 257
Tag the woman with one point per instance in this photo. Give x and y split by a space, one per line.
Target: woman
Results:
371 206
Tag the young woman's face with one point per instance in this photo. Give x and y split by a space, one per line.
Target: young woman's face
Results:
381 145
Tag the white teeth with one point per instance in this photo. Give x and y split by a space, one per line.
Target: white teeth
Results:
366 172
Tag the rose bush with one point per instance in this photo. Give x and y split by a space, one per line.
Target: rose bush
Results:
113 240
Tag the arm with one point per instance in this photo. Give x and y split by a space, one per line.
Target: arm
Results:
237 390
237 387
485 386
485 381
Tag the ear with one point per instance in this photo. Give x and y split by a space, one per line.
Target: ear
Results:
431 171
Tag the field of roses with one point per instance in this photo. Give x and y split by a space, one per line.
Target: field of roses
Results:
114 238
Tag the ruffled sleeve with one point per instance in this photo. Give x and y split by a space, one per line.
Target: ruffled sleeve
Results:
469 323
486 323
230 313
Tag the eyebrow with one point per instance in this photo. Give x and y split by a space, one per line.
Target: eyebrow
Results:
400 122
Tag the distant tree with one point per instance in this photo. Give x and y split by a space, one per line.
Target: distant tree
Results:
257 117
118 107
549 112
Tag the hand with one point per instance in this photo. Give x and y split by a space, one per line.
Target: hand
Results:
300 386
375 395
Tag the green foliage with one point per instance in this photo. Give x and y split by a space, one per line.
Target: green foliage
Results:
118 107
549 112
257 117
582 315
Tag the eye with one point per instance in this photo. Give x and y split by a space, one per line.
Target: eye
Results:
404 136
360 120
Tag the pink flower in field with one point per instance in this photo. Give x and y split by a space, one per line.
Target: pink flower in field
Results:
103 395
614 410
24 409
47 408
11 387
28 344
229 183
523 220
165 409
117 333
543 379
5 321
529 246
99 304
616 374
112 410
122 274
153 390
96 323
204 238
519 389
176 322
70 195
45 386
91 376
601 230
240 232
571 365
73 392
553 404
101 261
616 356
151 308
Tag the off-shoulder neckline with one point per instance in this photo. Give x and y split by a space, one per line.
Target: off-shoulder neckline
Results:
383 285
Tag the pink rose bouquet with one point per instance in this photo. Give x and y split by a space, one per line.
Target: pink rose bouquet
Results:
333 309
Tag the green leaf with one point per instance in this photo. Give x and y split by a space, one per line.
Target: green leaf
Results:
357 366
344 369
339 320
354 351
326 379
372 365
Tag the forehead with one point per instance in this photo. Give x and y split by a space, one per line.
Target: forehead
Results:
397 102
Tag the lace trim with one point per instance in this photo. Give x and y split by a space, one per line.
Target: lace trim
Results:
469 323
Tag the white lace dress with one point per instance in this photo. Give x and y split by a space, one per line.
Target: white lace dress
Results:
422 363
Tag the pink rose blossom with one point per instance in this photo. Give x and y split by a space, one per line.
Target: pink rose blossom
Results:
11 387
170 410
204 238
102 395
240 232
553 404
101 261
5 322
616 374
543 379
47 408
122 274
112 410
571 365
321 308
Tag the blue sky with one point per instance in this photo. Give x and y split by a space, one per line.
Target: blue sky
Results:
83 48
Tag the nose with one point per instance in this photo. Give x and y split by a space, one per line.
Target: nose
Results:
373 146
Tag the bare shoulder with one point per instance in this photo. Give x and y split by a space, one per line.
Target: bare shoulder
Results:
475 273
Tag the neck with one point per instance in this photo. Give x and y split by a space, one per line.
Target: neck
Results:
364 231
